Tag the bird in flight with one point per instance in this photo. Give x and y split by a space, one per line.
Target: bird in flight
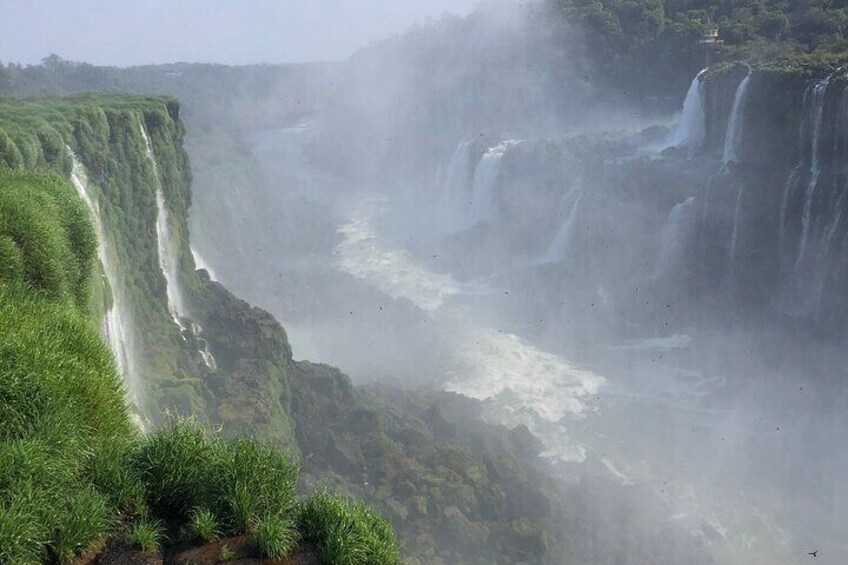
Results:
814 553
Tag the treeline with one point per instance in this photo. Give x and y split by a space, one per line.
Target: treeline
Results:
648 45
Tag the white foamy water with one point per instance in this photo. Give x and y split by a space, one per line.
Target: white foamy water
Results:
526 378
387 265
525 384
690 133
116 326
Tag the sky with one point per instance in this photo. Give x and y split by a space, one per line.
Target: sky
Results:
133 32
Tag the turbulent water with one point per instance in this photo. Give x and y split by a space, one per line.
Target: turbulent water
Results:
116 326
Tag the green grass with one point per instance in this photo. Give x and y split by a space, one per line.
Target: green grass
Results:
226 553
72 465
203 525
275 536
347 532
147 535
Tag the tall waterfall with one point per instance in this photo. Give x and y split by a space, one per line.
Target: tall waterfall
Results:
812 125
168 260
690 133
675 236
734 234
733 138
561 243
455 198
115 327
483 204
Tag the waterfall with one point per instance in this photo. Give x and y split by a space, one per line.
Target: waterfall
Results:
734 234
115 326
201 263
733 138
455 196
483 205
675 236
690 133
168 260
813 114
561 242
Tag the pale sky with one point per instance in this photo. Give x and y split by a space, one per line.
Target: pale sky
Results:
133 32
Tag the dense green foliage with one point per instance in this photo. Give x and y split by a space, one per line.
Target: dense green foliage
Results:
647 45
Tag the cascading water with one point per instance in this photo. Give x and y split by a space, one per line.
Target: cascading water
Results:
675 236
169 262
813 114
692 129
115 326
734 234
733 138
483 205
561 243
455 194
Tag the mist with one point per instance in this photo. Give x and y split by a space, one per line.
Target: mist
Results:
653 286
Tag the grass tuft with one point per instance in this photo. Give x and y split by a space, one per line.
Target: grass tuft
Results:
203 525
347 532
146 534
275 536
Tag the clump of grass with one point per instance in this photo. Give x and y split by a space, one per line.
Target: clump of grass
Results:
254 480
226 553
203 525
275 536
146 534
82 519
347 532
177 466
109 467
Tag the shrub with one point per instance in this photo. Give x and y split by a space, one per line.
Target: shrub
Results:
347 532
146 535
275 536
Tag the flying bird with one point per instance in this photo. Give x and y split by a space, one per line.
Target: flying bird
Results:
814 553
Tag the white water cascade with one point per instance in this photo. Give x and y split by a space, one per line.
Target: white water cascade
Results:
169 262
690 133
455 197
733 138
115 327
734 234
483 204
675 236
813 114
561 242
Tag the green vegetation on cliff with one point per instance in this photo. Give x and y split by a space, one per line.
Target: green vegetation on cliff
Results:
73 468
